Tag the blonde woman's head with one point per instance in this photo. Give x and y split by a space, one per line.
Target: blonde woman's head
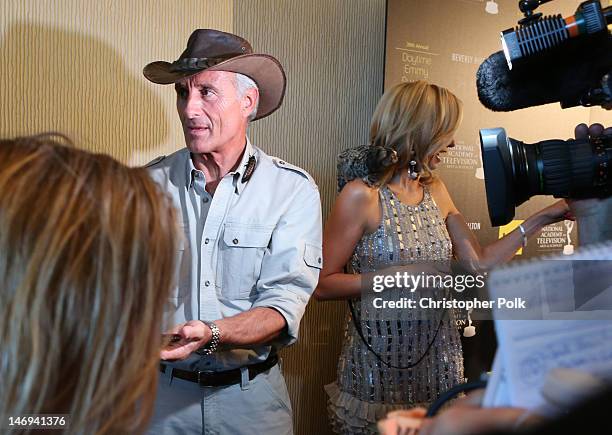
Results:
417 120
86 263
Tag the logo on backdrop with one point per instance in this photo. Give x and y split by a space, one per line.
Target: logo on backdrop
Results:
508 228
568 249
479 171
416 60
474 226
463 157
554 238
492 7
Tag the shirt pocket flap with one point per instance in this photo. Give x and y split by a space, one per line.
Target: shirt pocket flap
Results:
252 237
180 243
313 256
183 237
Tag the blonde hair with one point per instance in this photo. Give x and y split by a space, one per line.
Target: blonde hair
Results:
415 119
86 264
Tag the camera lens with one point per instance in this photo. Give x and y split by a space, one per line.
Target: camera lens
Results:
516 171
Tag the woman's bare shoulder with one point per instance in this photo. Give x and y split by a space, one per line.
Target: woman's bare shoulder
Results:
359 201
359 192
442 197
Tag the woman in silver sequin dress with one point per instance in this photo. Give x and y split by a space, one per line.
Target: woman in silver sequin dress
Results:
396 358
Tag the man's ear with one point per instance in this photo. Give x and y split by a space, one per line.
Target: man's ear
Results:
249 101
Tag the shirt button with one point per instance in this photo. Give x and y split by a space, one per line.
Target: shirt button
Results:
319 260
280 162
235 241
207 283
205 200
206 240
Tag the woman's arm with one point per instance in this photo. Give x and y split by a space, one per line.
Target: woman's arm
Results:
468 250
354 213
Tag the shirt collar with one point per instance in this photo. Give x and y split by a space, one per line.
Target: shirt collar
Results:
190 171
249 150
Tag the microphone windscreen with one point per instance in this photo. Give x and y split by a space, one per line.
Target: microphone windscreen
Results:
562 75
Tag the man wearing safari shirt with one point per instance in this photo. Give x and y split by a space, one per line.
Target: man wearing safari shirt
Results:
251 254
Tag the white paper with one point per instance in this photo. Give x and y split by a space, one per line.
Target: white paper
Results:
529 349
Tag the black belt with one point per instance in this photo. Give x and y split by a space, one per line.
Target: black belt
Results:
209 378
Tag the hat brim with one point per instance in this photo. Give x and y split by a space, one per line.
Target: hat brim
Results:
263 69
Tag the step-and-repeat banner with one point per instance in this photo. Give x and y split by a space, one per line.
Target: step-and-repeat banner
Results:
444 42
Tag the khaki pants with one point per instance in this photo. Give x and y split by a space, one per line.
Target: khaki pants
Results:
259 406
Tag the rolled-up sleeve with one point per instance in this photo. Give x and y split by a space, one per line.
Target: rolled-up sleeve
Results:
292 262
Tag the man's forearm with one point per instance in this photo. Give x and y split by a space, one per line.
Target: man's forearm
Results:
256 326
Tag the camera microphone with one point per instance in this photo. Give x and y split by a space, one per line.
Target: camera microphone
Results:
575 74
547 60
542 34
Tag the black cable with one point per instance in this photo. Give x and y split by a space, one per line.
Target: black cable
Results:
410 366
449 394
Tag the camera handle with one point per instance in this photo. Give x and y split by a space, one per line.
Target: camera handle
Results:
527 7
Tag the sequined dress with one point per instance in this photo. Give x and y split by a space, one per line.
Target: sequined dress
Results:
366 389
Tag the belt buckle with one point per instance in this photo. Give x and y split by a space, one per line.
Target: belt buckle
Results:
204 373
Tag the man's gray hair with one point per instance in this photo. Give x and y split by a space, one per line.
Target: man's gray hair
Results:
242 84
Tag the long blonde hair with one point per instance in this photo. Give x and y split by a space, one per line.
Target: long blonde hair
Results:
415 119
87 251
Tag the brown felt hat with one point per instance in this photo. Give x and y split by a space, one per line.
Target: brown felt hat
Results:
212 50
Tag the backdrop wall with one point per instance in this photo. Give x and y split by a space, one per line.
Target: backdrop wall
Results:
75 66
333 53
444 42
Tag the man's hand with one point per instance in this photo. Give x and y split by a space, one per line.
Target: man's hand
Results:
193 335
403 421
460 420
411 421
456 420
258 325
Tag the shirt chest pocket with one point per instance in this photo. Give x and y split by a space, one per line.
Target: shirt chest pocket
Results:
241 252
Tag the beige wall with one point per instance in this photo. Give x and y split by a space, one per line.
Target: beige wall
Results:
333 52
75 66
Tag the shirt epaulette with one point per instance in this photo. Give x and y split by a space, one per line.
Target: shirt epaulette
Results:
155 161
288 166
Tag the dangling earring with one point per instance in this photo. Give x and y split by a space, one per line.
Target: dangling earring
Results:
412 172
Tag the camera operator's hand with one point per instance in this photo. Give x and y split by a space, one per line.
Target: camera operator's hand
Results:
582 131
556 212
464 416
586 207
